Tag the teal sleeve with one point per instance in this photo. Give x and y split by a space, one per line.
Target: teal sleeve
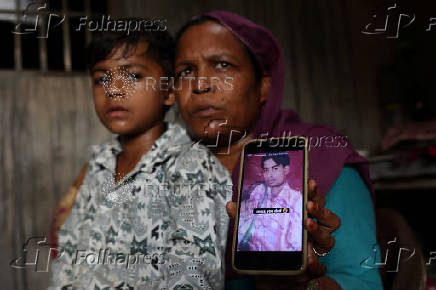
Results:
349 198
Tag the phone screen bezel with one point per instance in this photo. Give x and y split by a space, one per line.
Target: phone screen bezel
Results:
272 261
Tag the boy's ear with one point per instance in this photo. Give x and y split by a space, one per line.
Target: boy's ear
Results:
264 88
170 98
287 169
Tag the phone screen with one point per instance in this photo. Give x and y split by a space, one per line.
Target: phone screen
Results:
271 207
271 211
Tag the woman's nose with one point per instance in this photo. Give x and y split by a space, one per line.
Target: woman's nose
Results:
202 82
200 91
202 85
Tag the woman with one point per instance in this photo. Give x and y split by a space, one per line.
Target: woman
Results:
225 46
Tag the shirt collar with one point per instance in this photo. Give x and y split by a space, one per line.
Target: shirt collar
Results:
167 145
285 189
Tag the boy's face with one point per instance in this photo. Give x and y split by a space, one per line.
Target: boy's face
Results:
124 103
273 173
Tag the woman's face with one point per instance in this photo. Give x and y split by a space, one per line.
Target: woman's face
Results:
229 98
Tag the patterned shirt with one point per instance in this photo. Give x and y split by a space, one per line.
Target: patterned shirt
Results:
163 226
281 231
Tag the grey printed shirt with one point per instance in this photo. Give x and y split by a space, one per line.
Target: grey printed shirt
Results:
163 226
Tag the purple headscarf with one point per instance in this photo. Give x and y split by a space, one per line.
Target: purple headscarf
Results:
325 163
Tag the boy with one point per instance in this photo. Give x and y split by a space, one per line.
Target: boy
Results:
149 213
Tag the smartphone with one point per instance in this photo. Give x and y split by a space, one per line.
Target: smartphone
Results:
269 235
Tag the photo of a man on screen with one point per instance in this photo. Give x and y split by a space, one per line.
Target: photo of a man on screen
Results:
271 217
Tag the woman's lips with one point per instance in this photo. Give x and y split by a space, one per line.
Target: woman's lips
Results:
205 111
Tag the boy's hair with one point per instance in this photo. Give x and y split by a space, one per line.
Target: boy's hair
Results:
160 44
282 159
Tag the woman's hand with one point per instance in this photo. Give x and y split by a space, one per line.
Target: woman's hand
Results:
319 238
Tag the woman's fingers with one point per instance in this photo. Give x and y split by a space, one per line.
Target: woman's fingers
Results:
319 236
326 219
319 233
311 257
312 189
314 267
231 209
314 194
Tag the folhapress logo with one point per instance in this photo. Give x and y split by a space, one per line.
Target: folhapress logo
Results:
36 254
41 8
388 20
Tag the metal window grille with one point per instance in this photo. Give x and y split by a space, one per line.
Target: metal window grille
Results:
41 14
